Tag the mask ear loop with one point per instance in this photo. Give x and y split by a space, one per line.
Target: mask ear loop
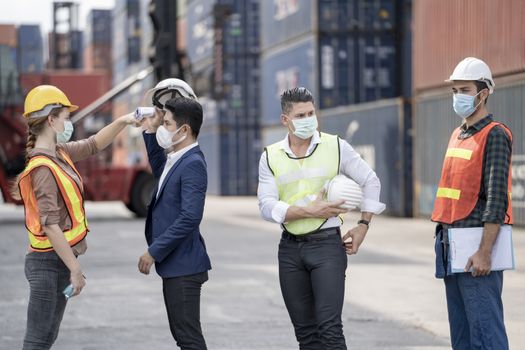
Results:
476 107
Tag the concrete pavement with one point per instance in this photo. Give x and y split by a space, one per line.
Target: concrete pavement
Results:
392 299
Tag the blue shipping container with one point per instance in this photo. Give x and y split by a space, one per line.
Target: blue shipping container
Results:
285 69
30 49
377 60
98 26
284 20
338 71
376 131
200 32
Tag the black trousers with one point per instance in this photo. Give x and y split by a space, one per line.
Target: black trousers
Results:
182 296
312 276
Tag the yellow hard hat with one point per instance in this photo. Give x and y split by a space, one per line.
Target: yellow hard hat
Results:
42 99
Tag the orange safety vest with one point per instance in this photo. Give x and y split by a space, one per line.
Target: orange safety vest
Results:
461 176
71 193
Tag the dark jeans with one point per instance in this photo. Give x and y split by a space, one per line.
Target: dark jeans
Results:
475 308
475 311
47 276
182 296
312 276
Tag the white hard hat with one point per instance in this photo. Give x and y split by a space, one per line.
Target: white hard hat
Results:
167 85
472 68
344 188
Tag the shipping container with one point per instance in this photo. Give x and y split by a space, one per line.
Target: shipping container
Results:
343 16
240 92
30 49
240 33
98 25
81 88
377 64
232 156
97 57
209 142
448 31
9 85
284 69
8 35
357 68
272 134
200 31
377 132
338 71
434 122
286 20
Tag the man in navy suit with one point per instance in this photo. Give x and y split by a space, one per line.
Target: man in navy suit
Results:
175 244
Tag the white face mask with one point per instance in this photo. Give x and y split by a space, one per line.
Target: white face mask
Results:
165 137
65 136
305 127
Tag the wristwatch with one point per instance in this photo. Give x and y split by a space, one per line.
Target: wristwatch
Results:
364 222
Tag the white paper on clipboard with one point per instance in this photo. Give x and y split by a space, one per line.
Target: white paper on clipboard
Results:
464 242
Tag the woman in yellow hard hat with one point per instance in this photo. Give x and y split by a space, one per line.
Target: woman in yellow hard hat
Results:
52 191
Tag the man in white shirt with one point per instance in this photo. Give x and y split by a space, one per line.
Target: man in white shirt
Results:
312 259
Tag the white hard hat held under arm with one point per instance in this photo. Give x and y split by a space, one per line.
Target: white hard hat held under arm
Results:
474 69
344 188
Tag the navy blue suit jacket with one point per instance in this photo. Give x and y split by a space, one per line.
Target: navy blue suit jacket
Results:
172 224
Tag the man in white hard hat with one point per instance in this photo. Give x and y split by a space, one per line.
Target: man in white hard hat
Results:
474 192
175 244
312 259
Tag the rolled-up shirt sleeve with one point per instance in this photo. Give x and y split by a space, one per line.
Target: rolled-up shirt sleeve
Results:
82 149
271 208
46 193
354 167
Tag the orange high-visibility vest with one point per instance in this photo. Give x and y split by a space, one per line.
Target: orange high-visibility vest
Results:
461 176
71 193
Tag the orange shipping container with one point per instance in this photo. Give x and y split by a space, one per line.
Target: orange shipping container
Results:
81 88
8 35
446 31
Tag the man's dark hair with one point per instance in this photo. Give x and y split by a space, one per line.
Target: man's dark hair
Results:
480 85
295 95
186 111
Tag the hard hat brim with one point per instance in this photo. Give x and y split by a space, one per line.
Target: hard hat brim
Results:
489 86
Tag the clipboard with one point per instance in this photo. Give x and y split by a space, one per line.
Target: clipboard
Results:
464 242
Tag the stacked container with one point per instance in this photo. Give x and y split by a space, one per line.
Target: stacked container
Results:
344 52
97 46
30 49
223 47
131 34
9 87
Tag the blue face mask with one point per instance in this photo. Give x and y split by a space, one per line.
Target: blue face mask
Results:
64 136
464 104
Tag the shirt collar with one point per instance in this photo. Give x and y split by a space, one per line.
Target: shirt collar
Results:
478 125
285 143
174 156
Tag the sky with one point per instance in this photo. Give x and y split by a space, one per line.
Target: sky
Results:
41 12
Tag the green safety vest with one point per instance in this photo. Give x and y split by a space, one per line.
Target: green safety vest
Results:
299 180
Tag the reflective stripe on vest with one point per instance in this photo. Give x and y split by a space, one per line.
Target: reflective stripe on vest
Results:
460 183
299 180
71 194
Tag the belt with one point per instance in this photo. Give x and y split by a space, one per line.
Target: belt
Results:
318 235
